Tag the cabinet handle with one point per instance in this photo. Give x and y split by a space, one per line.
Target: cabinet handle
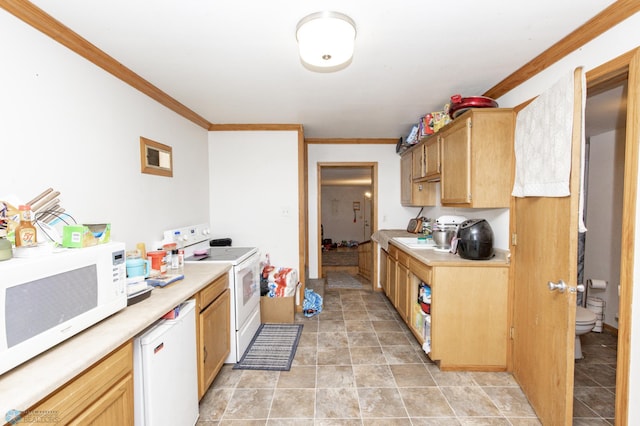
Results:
204 359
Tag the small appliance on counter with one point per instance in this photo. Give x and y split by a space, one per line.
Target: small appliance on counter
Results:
475 240
445 230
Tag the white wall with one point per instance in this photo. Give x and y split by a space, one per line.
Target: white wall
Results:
604 218
254 191
338 215
69 125
391 215
622 38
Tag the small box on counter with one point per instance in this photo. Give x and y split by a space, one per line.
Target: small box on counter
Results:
78 236
277 310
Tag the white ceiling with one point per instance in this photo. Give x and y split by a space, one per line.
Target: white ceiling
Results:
235 61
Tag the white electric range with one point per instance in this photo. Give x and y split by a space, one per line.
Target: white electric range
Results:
244 281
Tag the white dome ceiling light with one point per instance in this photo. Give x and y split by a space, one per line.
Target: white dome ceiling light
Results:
326 41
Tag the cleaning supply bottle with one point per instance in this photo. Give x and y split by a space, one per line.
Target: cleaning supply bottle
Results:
25 232
177 237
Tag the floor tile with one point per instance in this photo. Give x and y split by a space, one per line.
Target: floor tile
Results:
357 364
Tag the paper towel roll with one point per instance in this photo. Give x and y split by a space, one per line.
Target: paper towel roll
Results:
601 284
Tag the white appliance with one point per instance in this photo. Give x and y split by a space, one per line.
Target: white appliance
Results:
165 371
47 299
244 282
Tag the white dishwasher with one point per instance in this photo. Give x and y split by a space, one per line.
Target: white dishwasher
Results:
165 371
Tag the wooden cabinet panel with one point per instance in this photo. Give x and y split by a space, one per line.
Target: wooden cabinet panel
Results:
113 408
406 180
213 331
414 193
384 271
456 168
432 154
392 274
469 318
402 293
103 393
365 259
477 156
214 337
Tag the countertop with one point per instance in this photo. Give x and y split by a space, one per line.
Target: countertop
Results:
30 382
430 257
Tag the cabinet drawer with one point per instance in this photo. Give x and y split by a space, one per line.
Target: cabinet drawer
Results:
421 270
403 258
213 290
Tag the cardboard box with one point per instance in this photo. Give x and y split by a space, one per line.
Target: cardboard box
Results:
77 236
277 310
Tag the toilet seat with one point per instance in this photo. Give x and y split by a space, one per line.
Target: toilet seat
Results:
584 316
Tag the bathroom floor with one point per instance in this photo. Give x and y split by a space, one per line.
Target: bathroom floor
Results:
358 364
595 380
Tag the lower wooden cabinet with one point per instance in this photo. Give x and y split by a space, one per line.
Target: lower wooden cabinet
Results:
213 330
469 310
102 395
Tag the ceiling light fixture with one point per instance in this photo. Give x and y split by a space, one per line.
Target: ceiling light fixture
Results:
326 41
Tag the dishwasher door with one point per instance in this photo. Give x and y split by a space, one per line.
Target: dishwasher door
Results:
165 372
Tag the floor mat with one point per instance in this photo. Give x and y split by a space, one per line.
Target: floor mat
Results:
272 348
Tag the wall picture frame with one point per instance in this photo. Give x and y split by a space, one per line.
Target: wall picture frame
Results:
155 158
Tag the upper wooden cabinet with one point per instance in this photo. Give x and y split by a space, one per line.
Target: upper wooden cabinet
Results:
414 192
471 157
477 159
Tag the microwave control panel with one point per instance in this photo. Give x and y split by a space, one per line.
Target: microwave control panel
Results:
119 270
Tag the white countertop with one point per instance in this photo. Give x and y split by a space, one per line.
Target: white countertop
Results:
30 382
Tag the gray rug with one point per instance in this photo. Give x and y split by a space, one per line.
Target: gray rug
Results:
340 279
272 348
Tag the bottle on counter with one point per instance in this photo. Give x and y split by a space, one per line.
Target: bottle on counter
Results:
26 235
177 237
6 249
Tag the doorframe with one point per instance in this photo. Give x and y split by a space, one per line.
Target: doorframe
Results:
603 77
373 166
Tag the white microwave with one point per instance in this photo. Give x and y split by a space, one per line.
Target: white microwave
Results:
45 300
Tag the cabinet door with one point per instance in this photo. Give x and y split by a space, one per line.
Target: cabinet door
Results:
391 294
419 161
432 154
456 164
402 299
406 181
214 334
384 271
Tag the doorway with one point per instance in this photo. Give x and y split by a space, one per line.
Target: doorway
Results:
346 219
595 373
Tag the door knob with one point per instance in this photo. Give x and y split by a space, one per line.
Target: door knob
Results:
560 286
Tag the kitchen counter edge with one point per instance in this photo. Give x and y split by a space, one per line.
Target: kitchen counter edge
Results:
32 381
433 258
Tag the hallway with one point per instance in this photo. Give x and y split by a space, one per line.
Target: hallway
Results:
357 364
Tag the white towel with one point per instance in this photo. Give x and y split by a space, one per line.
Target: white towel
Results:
543 143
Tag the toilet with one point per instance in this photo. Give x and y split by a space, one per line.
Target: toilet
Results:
585 321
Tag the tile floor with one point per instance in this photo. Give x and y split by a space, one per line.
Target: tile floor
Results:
357 364
595 380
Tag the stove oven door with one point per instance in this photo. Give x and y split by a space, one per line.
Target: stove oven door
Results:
247 281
